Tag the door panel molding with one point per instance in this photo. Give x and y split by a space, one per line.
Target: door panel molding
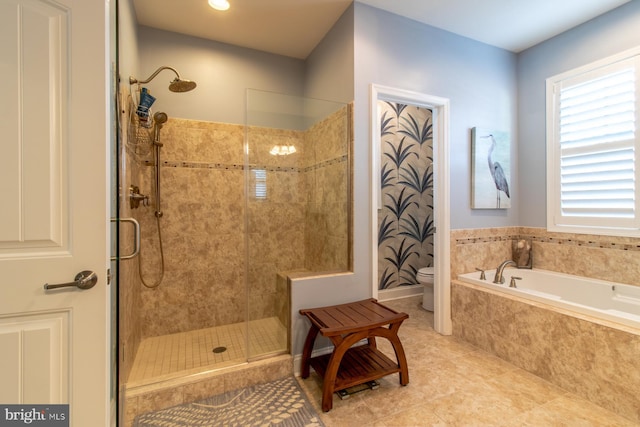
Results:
34 220
36 352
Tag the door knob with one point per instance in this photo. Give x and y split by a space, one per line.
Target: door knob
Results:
83 280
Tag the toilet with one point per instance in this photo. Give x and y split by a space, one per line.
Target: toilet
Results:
425 276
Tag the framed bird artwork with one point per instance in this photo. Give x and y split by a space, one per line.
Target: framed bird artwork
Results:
490 169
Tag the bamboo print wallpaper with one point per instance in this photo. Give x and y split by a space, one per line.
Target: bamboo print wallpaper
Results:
405 215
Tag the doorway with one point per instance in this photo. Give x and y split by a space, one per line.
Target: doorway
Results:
440 227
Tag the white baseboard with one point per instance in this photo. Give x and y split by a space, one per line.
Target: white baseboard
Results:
297 359
400 292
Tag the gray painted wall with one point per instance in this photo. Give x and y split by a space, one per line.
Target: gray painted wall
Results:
606 35
329 68
479 80
127 41
223 73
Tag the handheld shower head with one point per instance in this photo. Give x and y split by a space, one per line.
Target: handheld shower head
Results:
176 85
160 117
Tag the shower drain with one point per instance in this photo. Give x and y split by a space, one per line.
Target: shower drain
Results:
220 349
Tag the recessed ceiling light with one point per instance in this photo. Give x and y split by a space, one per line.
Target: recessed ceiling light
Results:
219 4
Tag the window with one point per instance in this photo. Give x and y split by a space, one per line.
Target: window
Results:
260 183
592 143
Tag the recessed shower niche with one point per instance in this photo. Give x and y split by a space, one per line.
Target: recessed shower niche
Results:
245 206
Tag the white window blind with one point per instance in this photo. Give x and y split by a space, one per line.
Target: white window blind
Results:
592 148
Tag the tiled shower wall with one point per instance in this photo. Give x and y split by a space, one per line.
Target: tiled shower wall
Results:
327 176
600 257
203 224
202 182
129 327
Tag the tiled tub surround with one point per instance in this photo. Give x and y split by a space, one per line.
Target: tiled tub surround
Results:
601 257
602 299
595 359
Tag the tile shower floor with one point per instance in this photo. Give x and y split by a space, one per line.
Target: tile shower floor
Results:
452 383
170 356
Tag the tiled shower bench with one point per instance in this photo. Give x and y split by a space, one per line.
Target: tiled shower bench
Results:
349 365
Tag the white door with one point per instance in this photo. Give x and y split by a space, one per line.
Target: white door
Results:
53 205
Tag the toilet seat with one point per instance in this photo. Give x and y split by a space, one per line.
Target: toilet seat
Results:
426 272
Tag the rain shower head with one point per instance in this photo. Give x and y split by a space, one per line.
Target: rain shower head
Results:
176 85
180 85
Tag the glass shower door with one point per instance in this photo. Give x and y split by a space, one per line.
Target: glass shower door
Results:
297 221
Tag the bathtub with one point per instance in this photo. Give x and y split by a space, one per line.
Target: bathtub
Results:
580 334
614 302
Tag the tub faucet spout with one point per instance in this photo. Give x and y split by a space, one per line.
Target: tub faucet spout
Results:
499 278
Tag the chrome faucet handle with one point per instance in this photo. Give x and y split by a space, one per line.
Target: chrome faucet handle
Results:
512 284
482 275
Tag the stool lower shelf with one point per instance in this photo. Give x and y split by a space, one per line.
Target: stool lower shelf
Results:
359 365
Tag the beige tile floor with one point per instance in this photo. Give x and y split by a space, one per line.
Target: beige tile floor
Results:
170 356
454 384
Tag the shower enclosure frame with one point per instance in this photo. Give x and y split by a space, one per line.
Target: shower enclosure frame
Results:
258 302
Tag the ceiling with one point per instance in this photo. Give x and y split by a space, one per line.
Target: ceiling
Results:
294 27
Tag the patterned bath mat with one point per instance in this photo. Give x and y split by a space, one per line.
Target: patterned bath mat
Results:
279 403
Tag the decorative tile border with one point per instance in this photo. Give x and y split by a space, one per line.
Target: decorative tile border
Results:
196 165
222 166
486 239
324 164
587 243
583 241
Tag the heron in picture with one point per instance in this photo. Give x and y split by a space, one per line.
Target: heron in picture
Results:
497 173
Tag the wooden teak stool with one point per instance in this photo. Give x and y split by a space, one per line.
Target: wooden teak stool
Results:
347 366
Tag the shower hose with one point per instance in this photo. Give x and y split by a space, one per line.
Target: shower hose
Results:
156 283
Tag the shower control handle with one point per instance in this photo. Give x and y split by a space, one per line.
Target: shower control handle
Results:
135 197
83 280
